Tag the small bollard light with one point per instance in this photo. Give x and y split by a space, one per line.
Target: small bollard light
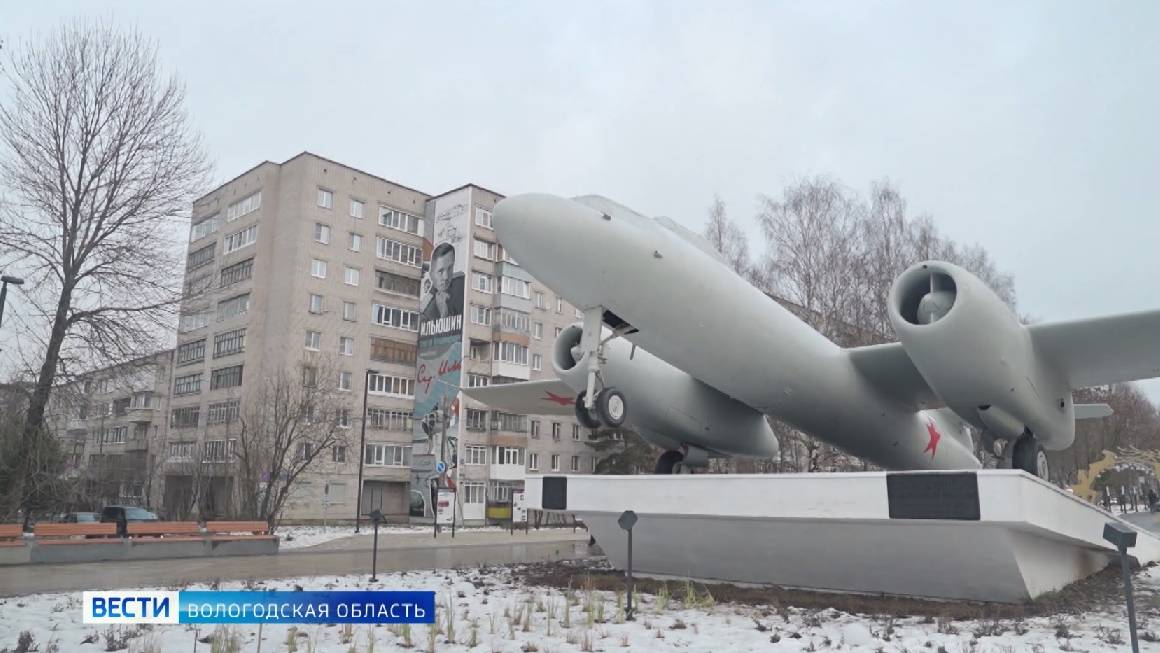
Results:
627 520
377 518
1123 538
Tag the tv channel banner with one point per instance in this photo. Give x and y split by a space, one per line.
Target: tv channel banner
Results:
252 607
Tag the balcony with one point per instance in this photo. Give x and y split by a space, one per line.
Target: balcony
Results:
142 414
507 472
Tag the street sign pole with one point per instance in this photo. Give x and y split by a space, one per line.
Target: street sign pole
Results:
626 521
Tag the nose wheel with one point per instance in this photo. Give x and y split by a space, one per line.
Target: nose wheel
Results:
1029 456
610 409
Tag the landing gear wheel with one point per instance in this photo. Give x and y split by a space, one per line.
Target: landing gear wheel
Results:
611 407
668 461
587 418
1030 457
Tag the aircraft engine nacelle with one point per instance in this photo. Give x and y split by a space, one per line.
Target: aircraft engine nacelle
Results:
667 406
973 352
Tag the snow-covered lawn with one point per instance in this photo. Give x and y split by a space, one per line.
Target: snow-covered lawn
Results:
490 611
297 537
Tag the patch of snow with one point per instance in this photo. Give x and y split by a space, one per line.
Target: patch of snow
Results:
485 610
297 537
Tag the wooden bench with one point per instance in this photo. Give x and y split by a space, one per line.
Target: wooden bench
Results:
66 532
239 530
11 535
170 531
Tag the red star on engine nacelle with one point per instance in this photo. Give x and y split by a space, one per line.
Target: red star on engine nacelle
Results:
559 399
932 446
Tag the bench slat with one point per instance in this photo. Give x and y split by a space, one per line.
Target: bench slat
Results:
255 527
11 530
68 530
164 528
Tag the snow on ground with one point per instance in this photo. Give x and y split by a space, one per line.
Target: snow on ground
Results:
297 537
492 613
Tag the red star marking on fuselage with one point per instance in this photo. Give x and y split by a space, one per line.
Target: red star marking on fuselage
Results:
932 446
559 399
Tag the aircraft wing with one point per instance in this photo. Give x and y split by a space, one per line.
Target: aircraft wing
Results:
888 368
1102 350
550 397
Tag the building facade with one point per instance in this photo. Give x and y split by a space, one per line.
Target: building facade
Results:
313 265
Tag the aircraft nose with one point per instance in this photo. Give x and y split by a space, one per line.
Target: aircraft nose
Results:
544 233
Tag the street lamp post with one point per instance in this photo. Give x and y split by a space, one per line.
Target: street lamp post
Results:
4 281
362 451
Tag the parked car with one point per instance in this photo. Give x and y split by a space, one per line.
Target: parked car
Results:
122 515
80 518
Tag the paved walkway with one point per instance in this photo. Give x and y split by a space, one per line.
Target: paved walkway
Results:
397 552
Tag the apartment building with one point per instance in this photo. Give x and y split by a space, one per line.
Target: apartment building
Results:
112 424
312 268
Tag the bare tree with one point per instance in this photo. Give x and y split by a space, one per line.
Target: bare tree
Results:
727 238
96 156
290 421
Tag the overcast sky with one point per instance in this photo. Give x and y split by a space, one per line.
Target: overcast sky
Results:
1027 127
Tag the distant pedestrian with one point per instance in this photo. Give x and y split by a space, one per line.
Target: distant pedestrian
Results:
1106 497
1151 499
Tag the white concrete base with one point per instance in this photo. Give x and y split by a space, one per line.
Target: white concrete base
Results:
991 535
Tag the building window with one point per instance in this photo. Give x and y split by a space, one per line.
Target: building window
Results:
304 451
309 376
501 455
203 228
559 305
476 420
313 340
181 451
539 299
321 233
240 271
192 321
506 256
325 198
509 422
501 492
389 420
222 412
538 330
391 351
338 454
233 307
482 282
355 242
575 463
484 249
356 209
182 418
230 342
393 219
218 451
510 352
534 428
195 286
475 455
396 318
476 380
472 493
350 276
555 462
317 268
393 250
533 461
558 331
576 432
396 284
344 380
479 351
187 385
191 352
346 345
226 377
240 239
200 257
480 315
513 320
244 206
395 386
555 430
314 305
513 286
537 362
349 312
483 217
388 455
344 418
